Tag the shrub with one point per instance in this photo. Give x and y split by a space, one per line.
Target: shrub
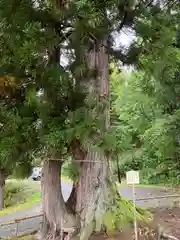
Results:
17 192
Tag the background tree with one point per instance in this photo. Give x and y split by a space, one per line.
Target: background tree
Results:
72 109
149 108
18 132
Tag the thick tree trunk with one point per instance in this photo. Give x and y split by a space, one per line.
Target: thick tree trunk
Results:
56 214
2 184
95 193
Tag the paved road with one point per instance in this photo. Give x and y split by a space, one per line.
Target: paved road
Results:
30 225
150 194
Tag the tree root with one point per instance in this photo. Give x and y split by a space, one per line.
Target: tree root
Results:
165 236
64 234
49 236
110 218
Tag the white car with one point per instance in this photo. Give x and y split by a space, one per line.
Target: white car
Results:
36 174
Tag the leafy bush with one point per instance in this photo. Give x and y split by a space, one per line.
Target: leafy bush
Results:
17 192
148 118
70 170
166 177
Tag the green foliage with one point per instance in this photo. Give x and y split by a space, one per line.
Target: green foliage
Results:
11 193
22 169
147 107
147 104
164 175
121 216
120 213
18 192
70 170
49 106
18 137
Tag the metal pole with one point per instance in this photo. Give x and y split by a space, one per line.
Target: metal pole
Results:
17 228
134 210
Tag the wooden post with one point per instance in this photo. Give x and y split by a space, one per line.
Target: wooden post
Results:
17 228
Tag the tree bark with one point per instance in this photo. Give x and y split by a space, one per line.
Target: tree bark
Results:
56 213
71 202
95 193
2 184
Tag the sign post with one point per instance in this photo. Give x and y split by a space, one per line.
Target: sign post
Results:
132 177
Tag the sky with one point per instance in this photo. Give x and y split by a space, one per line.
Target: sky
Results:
123 39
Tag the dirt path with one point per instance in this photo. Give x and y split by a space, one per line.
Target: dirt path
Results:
169 219
30 225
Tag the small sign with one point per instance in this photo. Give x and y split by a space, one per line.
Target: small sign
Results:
132 177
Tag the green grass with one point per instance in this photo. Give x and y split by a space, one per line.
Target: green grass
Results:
17 192
21 195
36 198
